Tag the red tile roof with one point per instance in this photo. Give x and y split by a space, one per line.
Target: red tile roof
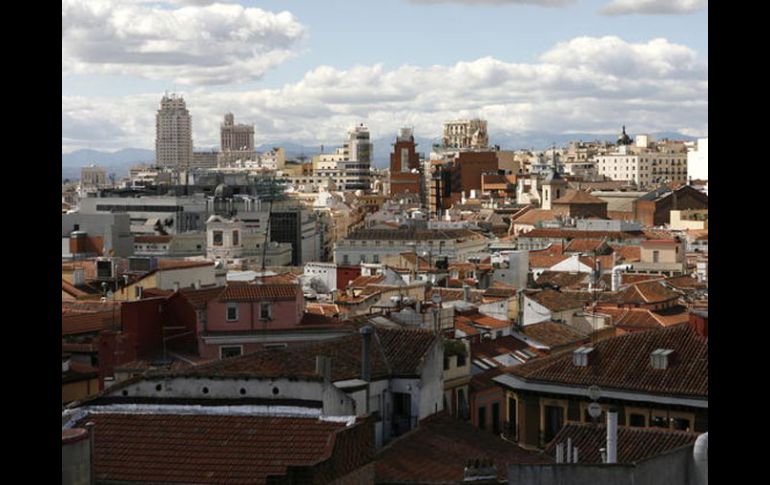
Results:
245 292
643 318
648 292
72 290
552 249
439 449
215 449
534 216
555 301
545 260
628 254
633 445
578 197
624 363
584 245
395 352
81 323
554 334
562 279
547 232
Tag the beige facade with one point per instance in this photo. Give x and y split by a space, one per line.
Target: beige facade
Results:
685 220
645 167
173 129
466 134
237 141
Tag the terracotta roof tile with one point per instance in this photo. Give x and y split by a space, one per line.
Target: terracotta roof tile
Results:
439 449
216 449
624 363
578 197
648 292
256 292
554 334
81 323
633 445
556 301
562 279
395 352
545 260
584 245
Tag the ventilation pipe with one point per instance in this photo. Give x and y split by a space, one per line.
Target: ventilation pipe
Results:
612 436
701 456
466 293
616 275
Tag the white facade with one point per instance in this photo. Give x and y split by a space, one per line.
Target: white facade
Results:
643 168
326 273
698 161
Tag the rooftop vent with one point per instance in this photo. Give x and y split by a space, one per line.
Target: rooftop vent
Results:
661 358
581 357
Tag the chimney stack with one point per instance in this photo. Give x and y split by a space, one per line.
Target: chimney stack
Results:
466 293
366 353
612 436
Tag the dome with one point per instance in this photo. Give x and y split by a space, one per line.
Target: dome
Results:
359 193
623 138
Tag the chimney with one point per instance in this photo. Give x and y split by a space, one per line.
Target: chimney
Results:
466 293
366 351
699 322
323 367
176 286
612 436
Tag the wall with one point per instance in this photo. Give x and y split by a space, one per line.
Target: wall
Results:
186 277
432 382
284 314
675 467
72 391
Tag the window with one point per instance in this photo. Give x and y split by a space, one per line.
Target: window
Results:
446 363
235 238
265 311
656 256
376 258
232 312
217 238
512 418
659 422
482 422
554 420
232 351
460 360
637 420
681 424
496 418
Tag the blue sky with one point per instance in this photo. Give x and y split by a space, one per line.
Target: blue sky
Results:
302 70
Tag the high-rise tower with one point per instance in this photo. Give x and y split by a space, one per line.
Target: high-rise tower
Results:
173 133
237 141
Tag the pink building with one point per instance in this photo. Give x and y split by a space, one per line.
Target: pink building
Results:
243 309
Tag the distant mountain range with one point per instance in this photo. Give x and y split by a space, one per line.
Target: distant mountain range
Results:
118 162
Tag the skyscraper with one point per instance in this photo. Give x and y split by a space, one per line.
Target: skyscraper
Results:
237 141
356 169
173 133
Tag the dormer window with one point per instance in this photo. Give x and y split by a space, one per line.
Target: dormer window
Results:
265 311
661 358
232 312
581 356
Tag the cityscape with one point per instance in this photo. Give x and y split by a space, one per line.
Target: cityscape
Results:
444 293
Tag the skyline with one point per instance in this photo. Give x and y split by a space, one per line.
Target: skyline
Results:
290 70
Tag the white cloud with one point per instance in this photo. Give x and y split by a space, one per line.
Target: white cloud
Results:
582 85
542 3
653 7
194 45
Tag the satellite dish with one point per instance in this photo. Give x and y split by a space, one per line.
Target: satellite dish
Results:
594 392
436 298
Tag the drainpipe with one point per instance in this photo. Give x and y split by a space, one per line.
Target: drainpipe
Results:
612 436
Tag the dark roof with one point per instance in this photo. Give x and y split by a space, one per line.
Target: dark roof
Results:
554 334
561 279
555 301
439 449
633 445
624 363
397 352
167 448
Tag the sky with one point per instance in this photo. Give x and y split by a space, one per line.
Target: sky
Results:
305 71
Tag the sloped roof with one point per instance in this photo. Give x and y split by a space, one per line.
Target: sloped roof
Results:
394 352
439 449
245 292
553 334
633 445
179 448
555 301
648 292
584 245
624 363
562 279
578 197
